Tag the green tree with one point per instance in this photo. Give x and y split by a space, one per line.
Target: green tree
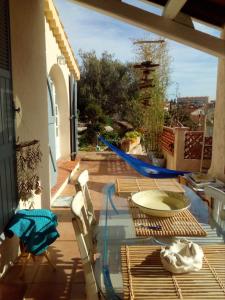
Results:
151 115
105 82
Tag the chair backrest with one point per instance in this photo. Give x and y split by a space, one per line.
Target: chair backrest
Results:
84 240
218 205
218 212
83 180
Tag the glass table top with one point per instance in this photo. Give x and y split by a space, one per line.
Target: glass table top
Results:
116 228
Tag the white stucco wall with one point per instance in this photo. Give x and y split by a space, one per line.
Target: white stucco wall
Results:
34 56
60 76
29 79
29 92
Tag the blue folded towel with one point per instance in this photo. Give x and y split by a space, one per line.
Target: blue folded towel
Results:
35 227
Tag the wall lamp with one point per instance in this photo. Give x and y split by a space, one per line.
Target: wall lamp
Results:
61 60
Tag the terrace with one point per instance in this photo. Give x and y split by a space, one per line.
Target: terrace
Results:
67 282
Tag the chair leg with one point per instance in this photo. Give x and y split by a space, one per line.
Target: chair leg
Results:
28 256
49 260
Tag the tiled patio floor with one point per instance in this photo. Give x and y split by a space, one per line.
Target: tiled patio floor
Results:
64 169
67 282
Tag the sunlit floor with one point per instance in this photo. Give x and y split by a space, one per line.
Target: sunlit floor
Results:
67 282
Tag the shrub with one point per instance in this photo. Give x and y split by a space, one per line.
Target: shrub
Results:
83 142
94 113
112 137
132 135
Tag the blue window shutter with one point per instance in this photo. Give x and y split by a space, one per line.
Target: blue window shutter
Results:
8 186
73 118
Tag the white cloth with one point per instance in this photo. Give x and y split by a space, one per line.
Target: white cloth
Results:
182 256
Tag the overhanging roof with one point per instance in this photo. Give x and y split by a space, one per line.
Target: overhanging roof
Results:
175 23
57 29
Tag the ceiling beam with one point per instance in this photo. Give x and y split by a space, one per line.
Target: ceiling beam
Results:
184 19
157 24
172 8
180 17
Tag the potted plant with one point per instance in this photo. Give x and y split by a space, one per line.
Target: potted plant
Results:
130 140
133 136
158 159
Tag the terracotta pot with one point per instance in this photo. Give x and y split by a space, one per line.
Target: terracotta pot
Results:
125 145
159 162
128 144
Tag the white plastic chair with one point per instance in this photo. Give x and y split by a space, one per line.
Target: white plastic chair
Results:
84 240
218 204
83 180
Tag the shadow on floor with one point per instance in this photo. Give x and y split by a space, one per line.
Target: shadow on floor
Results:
41 282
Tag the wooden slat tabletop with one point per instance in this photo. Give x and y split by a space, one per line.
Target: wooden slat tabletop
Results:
145 278
181 224
126 186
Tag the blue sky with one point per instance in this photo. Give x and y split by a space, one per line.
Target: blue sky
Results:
193 73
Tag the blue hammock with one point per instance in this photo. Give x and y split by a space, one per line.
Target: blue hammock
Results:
142 167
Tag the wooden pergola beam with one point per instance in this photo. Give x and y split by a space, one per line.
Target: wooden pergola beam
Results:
172 11
172 8
184 19
158 24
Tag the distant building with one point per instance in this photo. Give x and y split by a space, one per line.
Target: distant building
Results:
211 104
195 101
202 115
190 104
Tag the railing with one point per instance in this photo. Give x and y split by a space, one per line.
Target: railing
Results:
183 149
193 145
168 140
208 148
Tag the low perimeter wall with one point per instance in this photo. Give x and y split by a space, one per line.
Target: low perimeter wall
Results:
182 149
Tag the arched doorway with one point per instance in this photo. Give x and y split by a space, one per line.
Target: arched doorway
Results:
58 120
